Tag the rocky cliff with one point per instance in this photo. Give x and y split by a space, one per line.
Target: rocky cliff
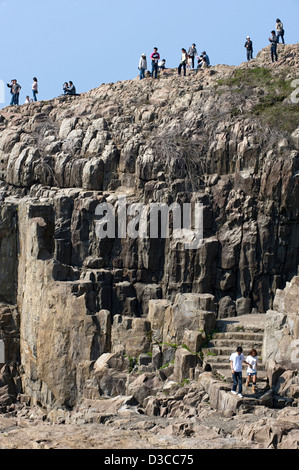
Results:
226 137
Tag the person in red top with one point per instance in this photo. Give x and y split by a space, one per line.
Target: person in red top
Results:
155 59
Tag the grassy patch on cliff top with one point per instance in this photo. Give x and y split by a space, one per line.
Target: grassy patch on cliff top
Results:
273 90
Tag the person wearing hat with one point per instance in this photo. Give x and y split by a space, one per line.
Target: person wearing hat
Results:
142 66
192 53
249 48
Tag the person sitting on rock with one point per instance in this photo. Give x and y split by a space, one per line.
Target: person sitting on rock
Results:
162 64
203 61
28 100
202 64
206 58
71 89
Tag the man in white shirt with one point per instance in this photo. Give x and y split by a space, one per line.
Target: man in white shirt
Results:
236 362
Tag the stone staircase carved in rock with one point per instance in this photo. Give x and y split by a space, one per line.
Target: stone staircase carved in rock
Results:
225 341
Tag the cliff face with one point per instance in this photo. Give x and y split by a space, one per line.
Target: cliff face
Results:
226 137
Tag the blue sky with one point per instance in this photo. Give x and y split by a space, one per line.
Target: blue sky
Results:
98 41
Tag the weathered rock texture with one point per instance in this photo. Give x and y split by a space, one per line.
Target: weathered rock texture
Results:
92 309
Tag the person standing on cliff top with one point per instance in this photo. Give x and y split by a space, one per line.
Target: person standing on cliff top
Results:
183 63
142 66
273 41
15 89
249 48
236 362
155 57
279 31
35 88
192 53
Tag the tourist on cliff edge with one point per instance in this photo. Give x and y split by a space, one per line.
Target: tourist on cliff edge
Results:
273 41
35 88
15 89
142 66
192 53
183 63
249 48
279 31
155 57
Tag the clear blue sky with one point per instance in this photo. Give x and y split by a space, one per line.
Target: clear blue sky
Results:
98 41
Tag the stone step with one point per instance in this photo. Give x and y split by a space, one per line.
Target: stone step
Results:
227 351
211 359
234 343
223 367
238 336
227 373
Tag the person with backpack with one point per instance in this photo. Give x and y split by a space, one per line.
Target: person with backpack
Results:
142 66
35 88
273 41
183 63
192 53
155 57
249 48
279 31
15 89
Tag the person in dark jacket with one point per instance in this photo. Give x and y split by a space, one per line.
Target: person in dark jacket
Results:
192 53
155 57
65 88
249 48
71 89
273 41
15 89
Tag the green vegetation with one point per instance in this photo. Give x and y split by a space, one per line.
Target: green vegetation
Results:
184 382
274 108
132 362
166 365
